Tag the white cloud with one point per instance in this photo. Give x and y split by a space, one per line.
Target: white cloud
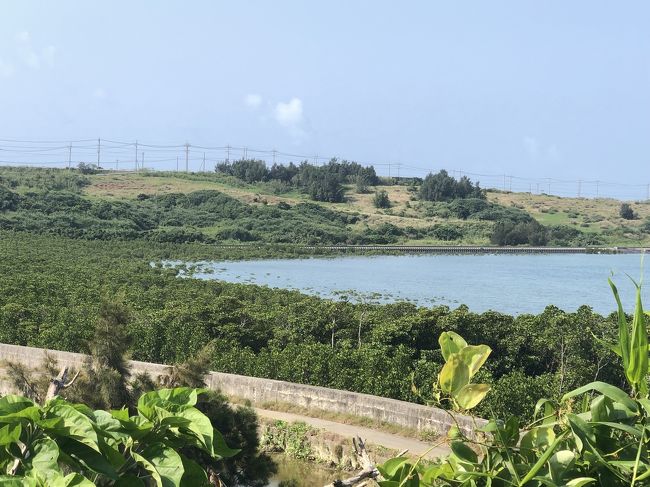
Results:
253 100
289 114
100 93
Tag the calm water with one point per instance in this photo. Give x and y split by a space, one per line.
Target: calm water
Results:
512 284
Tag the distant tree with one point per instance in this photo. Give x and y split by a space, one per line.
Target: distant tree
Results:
626 212
522 233
361 184
465 189
381 199
326 187
250 170
442 187
283 173
84 168
223 168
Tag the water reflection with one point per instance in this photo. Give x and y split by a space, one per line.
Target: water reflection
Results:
296 473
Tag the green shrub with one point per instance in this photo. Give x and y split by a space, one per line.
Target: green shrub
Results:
381 199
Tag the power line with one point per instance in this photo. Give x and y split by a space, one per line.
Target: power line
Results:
56 153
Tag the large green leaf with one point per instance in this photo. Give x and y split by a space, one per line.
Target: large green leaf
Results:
129 481
163 463
638 366
194 475
76 454
471 395
542 459
463 452
450 343
560 463
612 392
199 424
75 424
580 482
24 415
9 481
390 467
77 480
623 330
10 433
44 456
537 438
475 356
454 374
12 404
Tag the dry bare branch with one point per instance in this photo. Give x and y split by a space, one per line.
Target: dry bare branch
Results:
368 472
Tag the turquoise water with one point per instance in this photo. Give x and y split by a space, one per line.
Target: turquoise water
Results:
511 284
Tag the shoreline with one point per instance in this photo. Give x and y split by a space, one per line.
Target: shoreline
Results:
451 249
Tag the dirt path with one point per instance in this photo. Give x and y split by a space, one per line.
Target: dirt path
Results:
387 440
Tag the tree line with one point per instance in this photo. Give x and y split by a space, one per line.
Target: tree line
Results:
322 183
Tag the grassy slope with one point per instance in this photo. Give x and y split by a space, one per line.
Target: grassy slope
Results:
589 215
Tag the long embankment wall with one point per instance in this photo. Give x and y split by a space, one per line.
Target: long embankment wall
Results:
260 391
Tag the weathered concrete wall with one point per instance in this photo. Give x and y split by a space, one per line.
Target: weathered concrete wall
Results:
267 390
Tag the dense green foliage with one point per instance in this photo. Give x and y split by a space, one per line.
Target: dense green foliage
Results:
594 434
626 212
201 216
50 288
51 201
105 381
322 183
442 187
381 199
64 444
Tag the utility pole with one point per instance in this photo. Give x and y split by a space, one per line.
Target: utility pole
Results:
176 163
187 156
142 161
399 165
274 152
69 156
504 182
203 165
389 169
136 155
549 186
647 196
245 153
511 184
99 148
597 183
117 164
228 153
579 187
316 160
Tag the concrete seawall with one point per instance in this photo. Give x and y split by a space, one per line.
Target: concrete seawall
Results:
259 391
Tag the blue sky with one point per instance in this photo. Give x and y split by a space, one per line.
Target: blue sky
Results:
545 88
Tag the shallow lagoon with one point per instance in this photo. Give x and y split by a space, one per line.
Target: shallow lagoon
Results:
514 284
